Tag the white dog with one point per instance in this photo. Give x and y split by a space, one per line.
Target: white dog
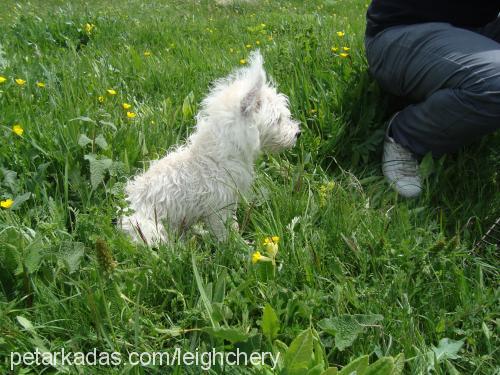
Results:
242 115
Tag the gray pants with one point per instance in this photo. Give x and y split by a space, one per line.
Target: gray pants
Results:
452 74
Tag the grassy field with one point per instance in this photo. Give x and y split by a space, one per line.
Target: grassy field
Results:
358 270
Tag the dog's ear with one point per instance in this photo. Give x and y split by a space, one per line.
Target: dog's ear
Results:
256 77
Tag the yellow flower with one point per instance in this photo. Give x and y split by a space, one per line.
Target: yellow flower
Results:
346 48
256 257
257 42
18 129
100 98
248 46
126 106
324 192
2 79
273 239
131 114
344 55
89 27
335 49
111 92
40 84
6 203
20 81
147 53
340 34
272 249
243 61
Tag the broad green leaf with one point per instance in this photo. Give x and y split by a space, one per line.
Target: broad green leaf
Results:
25 323
447 349
383 366
32 258
19 200
9 178
299 353
346 328
451 369
330 371
230 334
358 366
399 364
220 287
295 371
107 123
316 370
83 140
98 168
170 332
270 322
187 106
319 354
101 142
72 254
427 166
84 119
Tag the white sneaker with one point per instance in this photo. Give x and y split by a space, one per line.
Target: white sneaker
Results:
400 167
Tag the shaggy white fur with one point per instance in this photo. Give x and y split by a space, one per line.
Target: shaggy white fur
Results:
242 115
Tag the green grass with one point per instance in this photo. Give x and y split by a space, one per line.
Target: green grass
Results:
348 244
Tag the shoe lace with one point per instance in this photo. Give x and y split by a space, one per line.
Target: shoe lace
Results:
406 162
409 168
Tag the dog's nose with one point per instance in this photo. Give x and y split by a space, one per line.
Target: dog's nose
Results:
297 135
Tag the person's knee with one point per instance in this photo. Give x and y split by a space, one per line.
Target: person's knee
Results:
485 97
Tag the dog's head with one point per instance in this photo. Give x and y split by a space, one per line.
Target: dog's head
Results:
267 109
258 114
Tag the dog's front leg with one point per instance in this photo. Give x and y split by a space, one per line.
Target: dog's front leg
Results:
217 223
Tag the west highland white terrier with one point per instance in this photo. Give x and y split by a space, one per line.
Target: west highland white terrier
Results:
242 116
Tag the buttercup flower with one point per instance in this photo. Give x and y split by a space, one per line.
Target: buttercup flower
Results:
20 81
100 99
257 42
335 49
6 203
346 48
89 27
18 129
248 46
2 79
111 92
344 55
126 106
243 61
340 34
131 114
40 84
147 53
